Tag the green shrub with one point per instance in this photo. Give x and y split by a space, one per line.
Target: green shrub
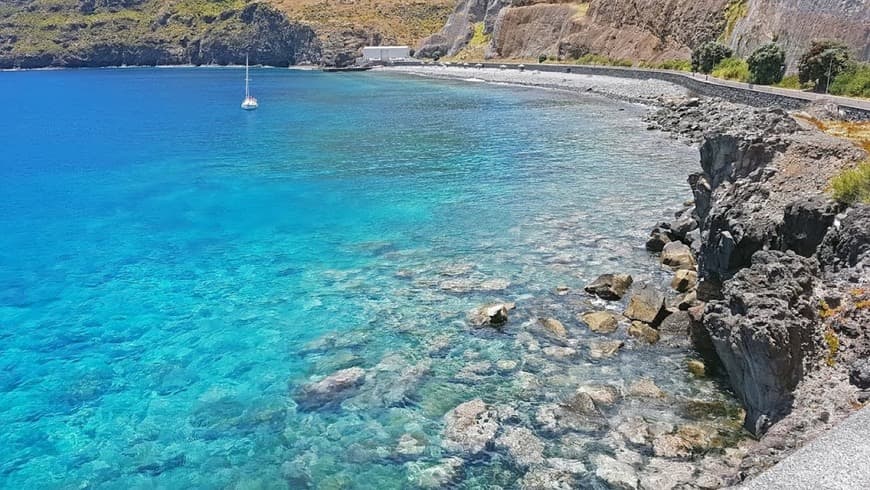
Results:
732 69
736 10
790 81
822 62
854 82
681 65
706 56
597 59
766 64
833 346
542 58
852 185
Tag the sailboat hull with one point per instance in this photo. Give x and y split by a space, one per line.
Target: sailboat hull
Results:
250 103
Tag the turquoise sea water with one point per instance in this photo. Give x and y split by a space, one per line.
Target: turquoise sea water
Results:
173 269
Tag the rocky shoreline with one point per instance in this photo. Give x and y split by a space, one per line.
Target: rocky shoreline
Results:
773 276
784 270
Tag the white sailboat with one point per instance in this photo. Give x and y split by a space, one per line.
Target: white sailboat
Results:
250 102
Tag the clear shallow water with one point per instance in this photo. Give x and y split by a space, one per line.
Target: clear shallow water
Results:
173 268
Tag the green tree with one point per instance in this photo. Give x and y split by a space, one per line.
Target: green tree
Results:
823 62
706 56
766 64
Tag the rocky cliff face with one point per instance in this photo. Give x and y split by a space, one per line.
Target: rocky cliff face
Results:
458 30
784 271
637 29
76 33
651 30
174 37
794 23
765 333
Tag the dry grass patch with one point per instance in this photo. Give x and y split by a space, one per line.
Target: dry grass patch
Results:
399 21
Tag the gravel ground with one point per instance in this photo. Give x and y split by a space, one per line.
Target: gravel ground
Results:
643 91
836 460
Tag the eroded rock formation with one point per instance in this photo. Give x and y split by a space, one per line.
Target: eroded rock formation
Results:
650 30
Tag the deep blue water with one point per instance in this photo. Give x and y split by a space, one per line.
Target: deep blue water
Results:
173 268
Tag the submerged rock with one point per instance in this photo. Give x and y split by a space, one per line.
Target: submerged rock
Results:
392 382
600 321
474 371
469 284
506 365
469 427
662 474
558 352
602 349
610 286
553 327
409 445
615 474
684 443
602 395
437 476
522 445
526 341
647 305
493 315
331 389
646 388
543 478
577 413
567 465
634 430
671 446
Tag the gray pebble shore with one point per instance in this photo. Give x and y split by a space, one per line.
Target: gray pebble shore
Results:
644 91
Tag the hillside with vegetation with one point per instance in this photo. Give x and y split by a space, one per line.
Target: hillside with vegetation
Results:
398 21
651 33
35 33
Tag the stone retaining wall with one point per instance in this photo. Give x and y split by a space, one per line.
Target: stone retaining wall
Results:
712 88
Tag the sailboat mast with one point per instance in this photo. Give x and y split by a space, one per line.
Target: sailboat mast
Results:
247 79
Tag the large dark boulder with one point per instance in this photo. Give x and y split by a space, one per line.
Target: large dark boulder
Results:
805 223
847 243
765 333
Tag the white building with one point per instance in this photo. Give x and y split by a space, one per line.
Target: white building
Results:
386 53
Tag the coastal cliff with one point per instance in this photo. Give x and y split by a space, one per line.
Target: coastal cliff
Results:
783 269
648 30
77 33
794 23
115 33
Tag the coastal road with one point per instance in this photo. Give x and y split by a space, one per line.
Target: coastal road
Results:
689 79
838 460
